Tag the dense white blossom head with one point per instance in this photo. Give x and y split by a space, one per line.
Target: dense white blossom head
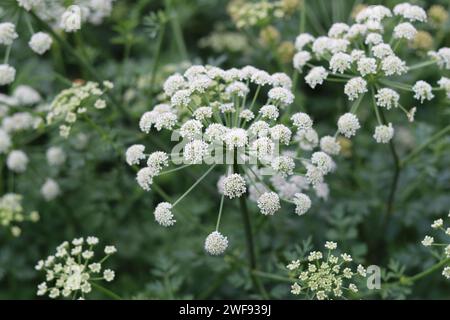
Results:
383 134
17 161
40 42
7 33
50 189
135 154
302 203
269 203
234 186
348 124
55 156
216 243
7 74
163 214
71 19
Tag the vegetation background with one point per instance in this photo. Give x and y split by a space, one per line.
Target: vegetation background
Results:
142 43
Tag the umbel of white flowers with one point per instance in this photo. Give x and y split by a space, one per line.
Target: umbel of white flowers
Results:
70 271
218 111
365 56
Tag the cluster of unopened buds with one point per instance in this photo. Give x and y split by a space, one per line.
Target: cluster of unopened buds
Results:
75 102
12 213
325 275
431 243
72 271
222 123
365 56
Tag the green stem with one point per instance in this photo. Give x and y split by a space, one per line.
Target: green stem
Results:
424 145
421 65
272 276
220 212
177 31
249 236
397 170
194 185
7 53
107 292
159 42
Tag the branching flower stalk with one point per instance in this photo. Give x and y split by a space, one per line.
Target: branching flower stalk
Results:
215 114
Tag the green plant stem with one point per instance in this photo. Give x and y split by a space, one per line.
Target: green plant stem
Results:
396 176
107 292
193 186
7 53
249 237
427 272
177 31
424 145
82 62
272 276
421 65
156 55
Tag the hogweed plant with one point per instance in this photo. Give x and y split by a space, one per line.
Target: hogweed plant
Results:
222 123
325 275
12 213
72 271
365 57
441 250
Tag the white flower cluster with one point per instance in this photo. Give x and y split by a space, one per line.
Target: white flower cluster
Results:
364 55
429 241
72 269
325 275
74 102
12 213
218 114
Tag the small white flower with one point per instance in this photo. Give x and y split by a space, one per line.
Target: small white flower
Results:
269 203
237 88
329 145
382 50
50 189
307 139
302 120
56 156
354 87
191 129
348 124
216 243
100 104
302 40
135 154
71 19
316 76
145 176
301 59
236 138
269 112
17 161
442 57
7 74
446 272
393 65
340 62
322 161
283 165
195 151
439 223
281 95
281 133
281 79
422 91
383 134
234 186
405 30
163 214
373 39
330 245
203 113
427 241
387 98
338 30
7 33
110 250
109 275
40 42
367 66
302 203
